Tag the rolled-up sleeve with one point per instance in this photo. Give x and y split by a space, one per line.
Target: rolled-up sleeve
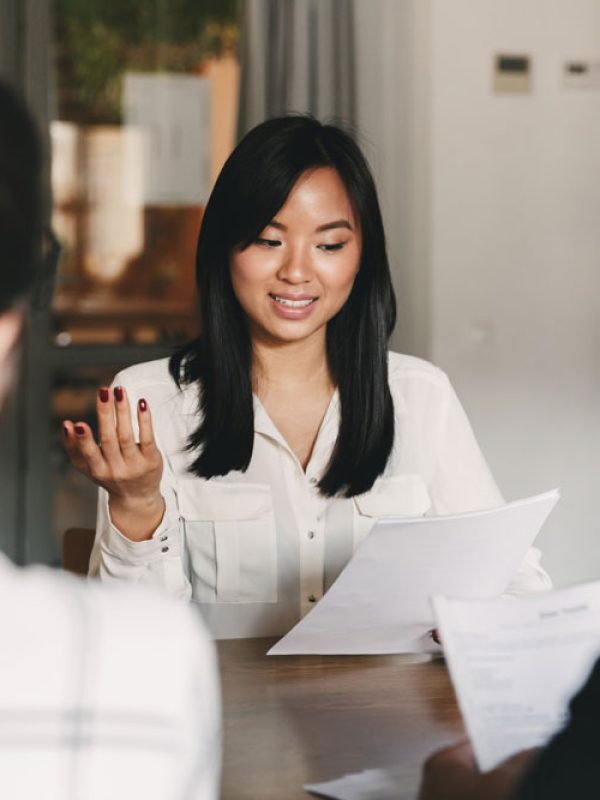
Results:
154 562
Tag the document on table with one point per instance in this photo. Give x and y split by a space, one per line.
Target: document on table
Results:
516 662
380 602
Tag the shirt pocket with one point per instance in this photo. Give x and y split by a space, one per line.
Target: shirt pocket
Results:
230 540
398 496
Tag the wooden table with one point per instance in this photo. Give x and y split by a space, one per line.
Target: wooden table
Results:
290 720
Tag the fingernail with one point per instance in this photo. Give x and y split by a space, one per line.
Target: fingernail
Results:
104 395
79 430
118 393
143 405
65 430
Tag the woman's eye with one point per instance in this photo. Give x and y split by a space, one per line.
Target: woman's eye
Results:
331 248
268 242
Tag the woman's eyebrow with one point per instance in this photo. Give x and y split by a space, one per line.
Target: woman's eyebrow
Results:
338 223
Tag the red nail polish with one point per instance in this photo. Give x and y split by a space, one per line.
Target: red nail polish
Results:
118 393
65 430
142 404
79 430
104 395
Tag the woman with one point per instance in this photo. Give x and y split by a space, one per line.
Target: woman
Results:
282 434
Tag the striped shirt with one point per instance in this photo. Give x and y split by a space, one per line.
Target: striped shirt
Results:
105 692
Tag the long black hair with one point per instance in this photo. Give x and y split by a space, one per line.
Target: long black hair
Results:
251 188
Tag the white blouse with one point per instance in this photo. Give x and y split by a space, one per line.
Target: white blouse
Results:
257 549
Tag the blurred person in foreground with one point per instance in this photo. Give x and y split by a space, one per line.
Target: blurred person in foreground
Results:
105 692
568 767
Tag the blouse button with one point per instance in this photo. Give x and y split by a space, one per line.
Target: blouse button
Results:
312 598
314 481
164 538
164 550
311 534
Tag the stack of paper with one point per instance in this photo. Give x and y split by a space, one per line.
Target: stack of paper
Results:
516 663
380 603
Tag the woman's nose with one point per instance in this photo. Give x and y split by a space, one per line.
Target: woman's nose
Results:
296 266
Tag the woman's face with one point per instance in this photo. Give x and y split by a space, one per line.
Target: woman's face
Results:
300 270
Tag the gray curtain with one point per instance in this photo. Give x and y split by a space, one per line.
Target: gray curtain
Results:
296 55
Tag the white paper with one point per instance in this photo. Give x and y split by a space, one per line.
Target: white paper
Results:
380 603
516 662
371 784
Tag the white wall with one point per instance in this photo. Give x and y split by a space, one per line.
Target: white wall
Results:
501 250
515 254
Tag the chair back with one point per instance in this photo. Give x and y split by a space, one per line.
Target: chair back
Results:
77 546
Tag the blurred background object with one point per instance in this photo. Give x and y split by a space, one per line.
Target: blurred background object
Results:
139 101
146 113
482 122
138 87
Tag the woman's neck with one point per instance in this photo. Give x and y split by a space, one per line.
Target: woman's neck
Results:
294 385
290 367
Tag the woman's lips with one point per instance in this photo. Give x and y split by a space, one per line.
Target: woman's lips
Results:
292 306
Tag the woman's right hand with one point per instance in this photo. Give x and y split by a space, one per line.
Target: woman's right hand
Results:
130 472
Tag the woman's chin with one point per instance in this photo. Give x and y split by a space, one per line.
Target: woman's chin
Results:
289 332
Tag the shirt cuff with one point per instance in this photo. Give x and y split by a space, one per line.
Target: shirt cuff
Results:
163 544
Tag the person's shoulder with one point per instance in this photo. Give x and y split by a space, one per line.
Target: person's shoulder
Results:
127 618
141 655
152 380
147 373
404 368
161 621
417 385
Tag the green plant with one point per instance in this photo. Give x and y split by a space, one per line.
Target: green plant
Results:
97 40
